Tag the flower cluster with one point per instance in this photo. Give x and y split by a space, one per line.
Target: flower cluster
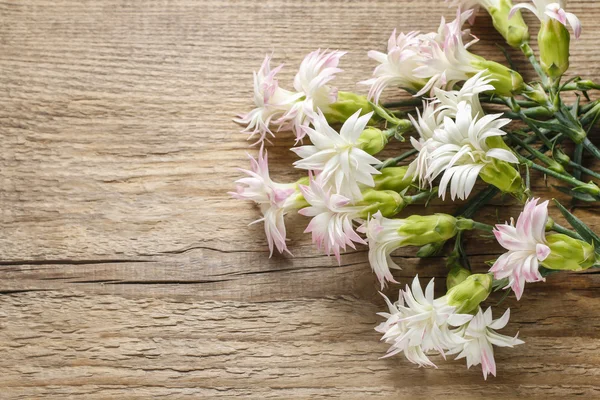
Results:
461 134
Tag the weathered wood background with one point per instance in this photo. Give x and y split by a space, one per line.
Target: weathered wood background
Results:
127 271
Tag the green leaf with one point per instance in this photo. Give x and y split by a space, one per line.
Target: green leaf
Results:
582 229
576 195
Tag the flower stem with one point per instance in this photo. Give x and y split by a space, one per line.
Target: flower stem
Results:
477 201
394 161
528 51
561 229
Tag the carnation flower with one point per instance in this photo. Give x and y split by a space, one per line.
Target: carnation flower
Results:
274 199
281 109
339 157
383 238
458 150
480 334
271 102
526 245
418 324
332 214
397 66
311 82
551 9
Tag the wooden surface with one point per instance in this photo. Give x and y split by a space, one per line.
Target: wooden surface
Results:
126 270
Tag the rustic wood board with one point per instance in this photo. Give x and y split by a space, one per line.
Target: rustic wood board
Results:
127 272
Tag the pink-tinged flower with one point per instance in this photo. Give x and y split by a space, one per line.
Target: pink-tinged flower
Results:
396 67
316 71
271 102
418 324
332 215
551 9
383 238
274 199
447 60
480 334
338 156
526 245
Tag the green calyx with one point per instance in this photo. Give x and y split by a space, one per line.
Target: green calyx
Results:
569 254
456 276
502 175
469 293
372 140
506 82
420 230
514 29
392 178
347 104
388 202
554 41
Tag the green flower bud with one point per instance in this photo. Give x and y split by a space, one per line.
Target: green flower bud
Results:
346 105
388 202
467 295
506 81
372 140
514 30
456 276
560 156
502 175
392 178
420 230
430 249
537 93
554 41
567 253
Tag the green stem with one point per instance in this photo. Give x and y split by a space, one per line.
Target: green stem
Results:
561 229
591 147
477 201
576 183
482 227
394 161
404 103
420 196
528 51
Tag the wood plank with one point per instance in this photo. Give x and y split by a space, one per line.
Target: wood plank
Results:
126 271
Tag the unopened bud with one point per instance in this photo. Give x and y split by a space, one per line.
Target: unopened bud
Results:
420 230
560 156
567 253
456 276
514 30
388 202
554 41
372 140
392 178
506 82
502 175
347 104
430 249
467 295
537 93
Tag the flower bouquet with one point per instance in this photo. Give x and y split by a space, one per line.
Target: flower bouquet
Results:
468 119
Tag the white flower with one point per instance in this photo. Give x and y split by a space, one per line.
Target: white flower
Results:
397 66
420 325
271 102
332 215
447 60
274 199
311 82
458 151
383 238
448 101
526 245
338 157
551 9
480 335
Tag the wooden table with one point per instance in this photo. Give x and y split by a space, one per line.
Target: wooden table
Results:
128 272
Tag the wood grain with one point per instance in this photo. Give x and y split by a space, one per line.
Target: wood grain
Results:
127 272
